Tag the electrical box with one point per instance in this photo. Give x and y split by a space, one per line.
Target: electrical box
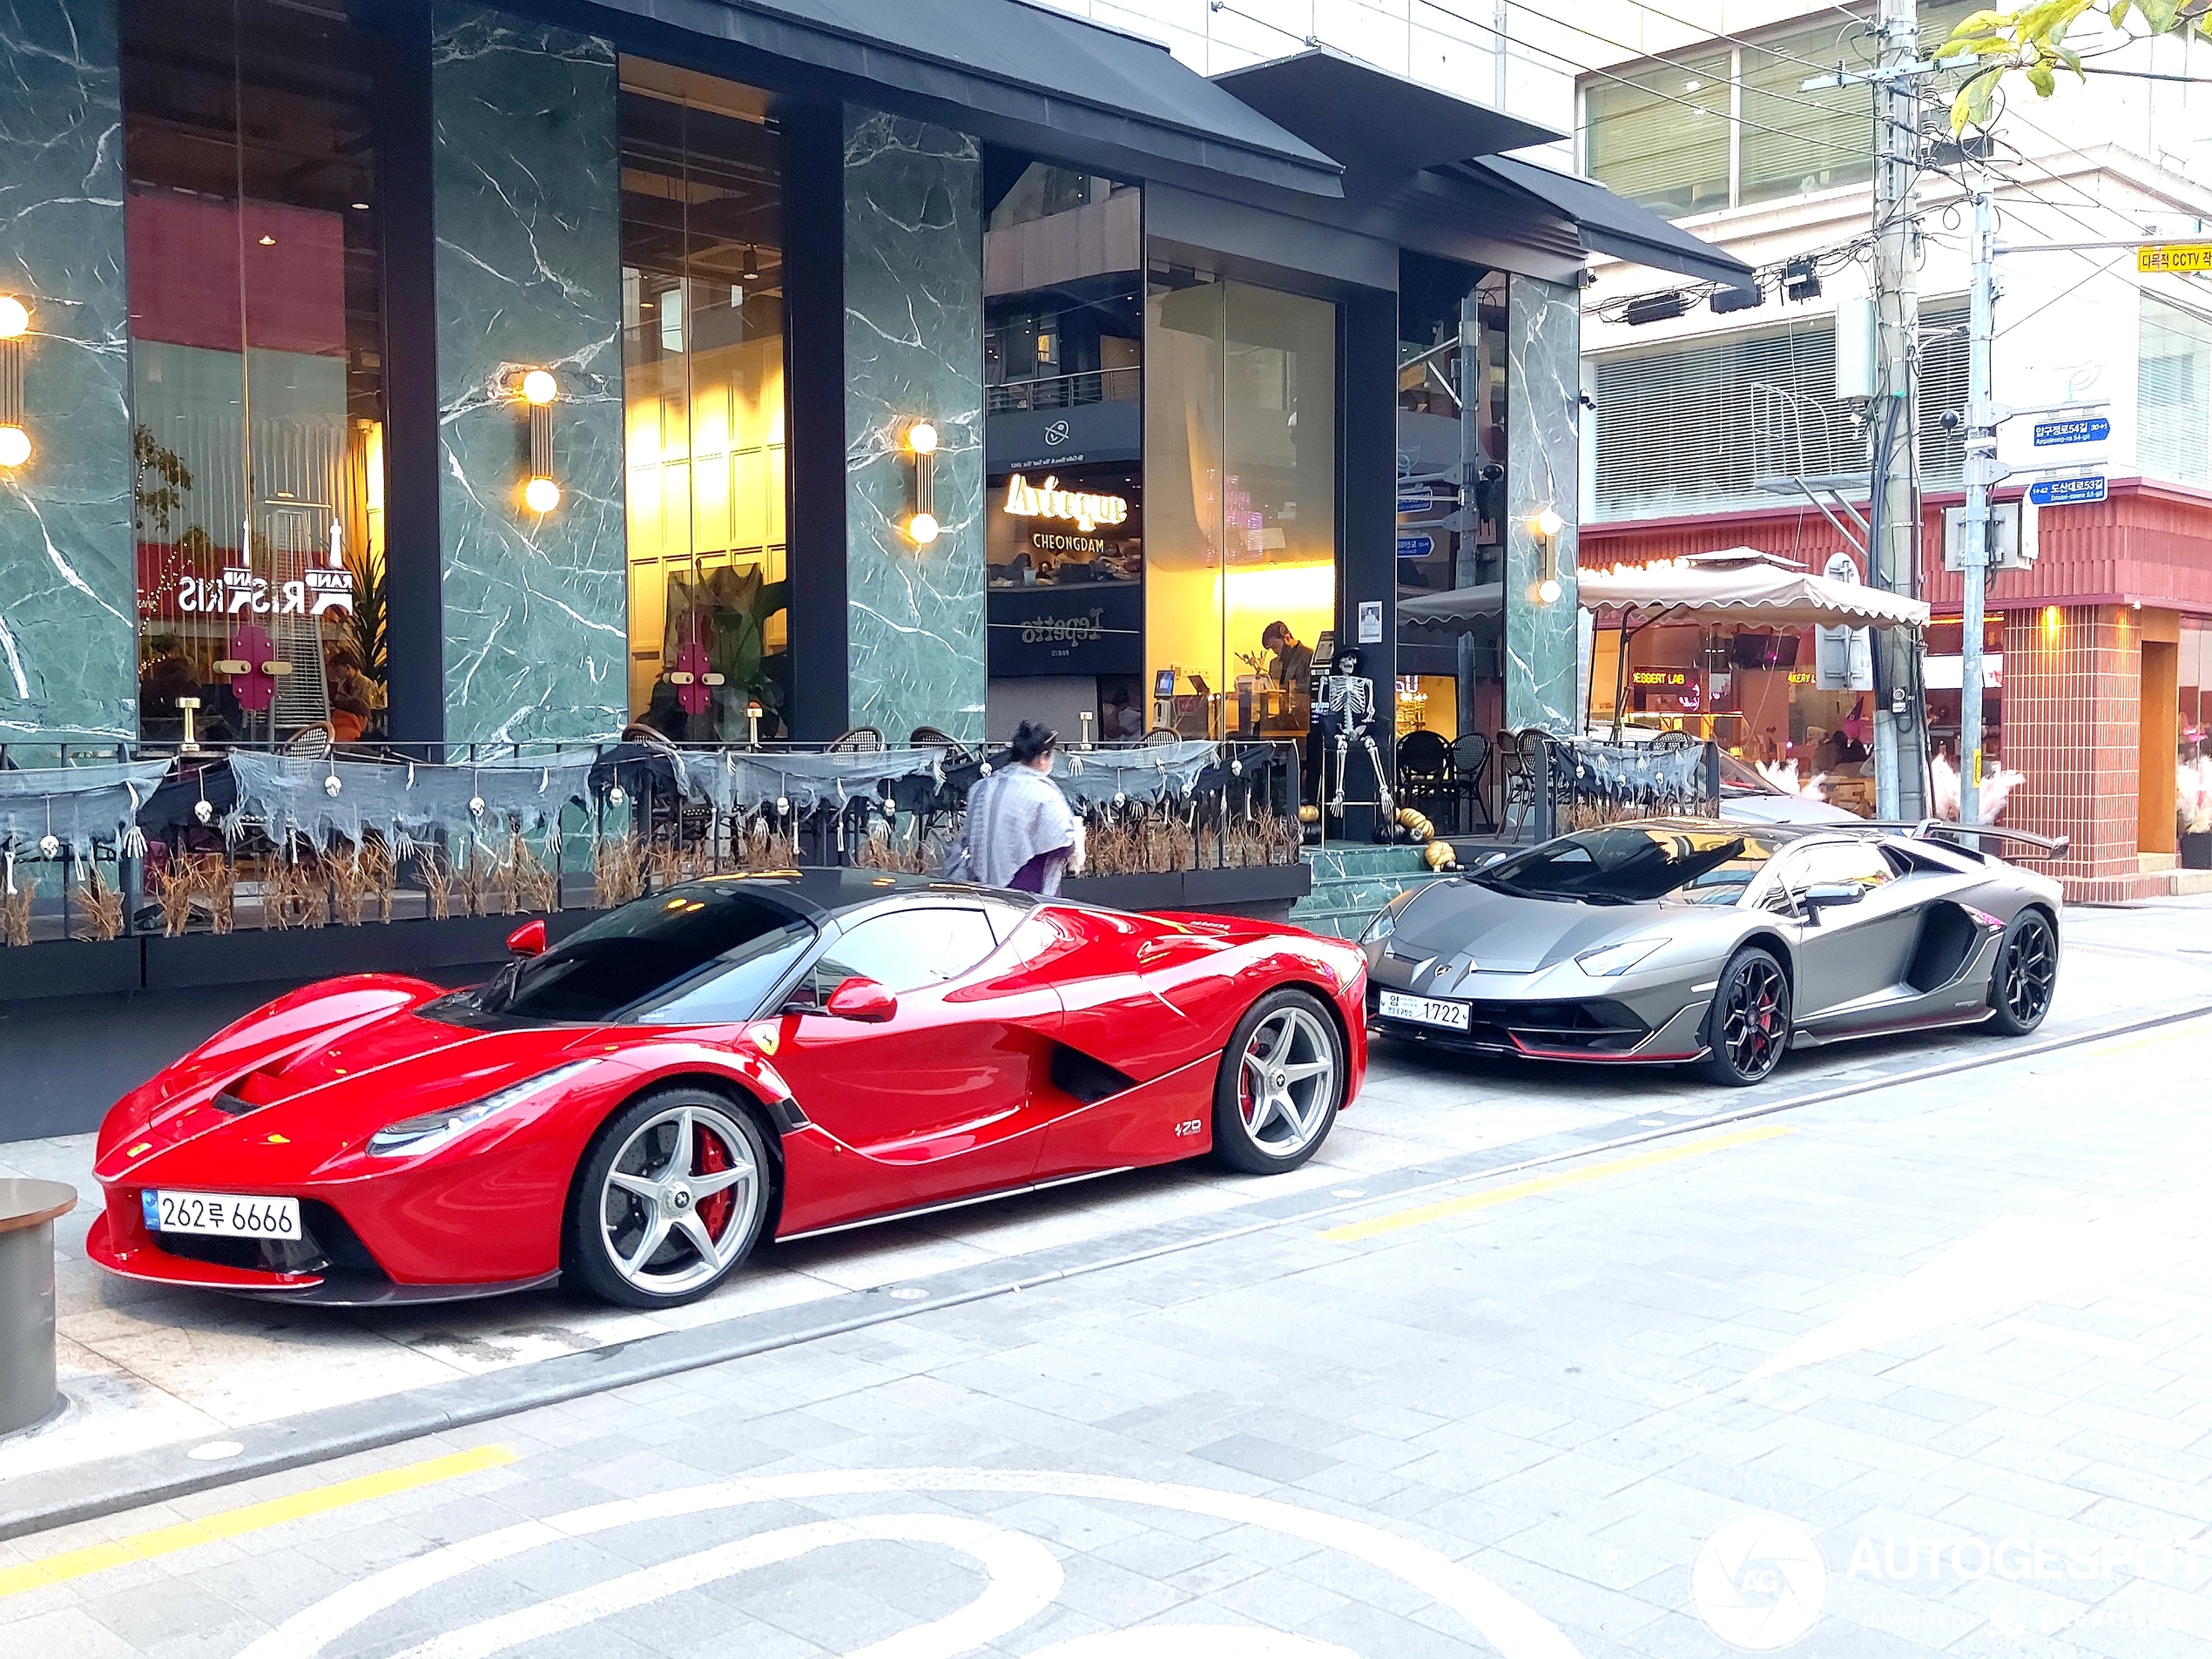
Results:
1854 349
2013 542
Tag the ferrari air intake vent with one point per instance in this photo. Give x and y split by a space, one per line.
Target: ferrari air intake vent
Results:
1076 1073
226 1102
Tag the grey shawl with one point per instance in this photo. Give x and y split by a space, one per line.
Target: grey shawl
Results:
1013 815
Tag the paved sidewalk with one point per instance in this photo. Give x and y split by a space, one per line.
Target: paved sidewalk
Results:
1926 1369
148 1367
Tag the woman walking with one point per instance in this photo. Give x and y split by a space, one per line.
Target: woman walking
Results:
1021 832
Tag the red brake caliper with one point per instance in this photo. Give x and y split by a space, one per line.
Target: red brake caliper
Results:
714 1209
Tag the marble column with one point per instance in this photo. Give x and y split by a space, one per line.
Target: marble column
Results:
1543 469
914 350
529 276
68 575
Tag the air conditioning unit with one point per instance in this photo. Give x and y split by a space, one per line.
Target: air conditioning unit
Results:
2013 541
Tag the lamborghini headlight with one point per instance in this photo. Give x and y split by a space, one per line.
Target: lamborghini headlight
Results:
1609 962
428 1131
1385 921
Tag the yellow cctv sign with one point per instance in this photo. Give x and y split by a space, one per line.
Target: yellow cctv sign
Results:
2175 258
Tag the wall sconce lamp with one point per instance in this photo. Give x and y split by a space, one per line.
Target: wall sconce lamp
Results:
15 323
921 443
1545 525
541 492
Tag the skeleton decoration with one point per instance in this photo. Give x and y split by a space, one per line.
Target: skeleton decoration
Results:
1346 713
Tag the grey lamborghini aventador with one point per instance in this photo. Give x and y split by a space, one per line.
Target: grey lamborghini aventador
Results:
1719 944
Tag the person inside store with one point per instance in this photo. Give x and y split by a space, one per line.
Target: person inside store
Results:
1120 720
1292 669
1021 832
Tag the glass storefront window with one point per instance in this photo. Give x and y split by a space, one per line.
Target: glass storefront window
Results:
1064 438
1242 568
704 405
256 366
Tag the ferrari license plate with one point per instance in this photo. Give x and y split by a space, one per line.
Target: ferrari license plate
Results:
1426 1010
220 1214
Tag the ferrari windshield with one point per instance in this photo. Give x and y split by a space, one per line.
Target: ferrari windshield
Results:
1636 864
697 955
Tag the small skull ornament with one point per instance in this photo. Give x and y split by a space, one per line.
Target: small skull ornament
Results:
1236 768
615 796
476 805
1120 799
783 805
205 811
50 846
986 770
331 785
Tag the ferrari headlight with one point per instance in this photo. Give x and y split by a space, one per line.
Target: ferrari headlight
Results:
1609 961
428 1131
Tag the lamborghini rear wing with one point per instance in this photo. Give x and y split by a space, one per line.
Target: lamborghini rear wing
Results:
2047 847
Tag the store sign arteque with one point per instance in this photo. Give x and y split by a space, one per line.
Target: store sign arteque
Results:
1081 508
238 589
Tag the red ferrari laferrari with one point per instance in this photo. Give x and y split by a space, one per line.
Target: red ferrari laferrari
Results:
779 1054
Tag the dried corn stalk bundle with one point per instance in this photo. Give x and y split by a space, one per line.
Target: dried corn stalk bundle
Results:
101 904
617 870
349 883
380 873
436 874
14 915
531 883
176 884
758 845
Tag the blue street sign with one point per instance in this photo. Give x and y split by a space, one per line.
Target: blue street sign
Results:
1415 498
2066 492
1416 547
2089 428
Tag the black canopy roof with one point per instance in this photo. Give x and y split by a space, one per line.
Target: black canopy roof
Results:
1611 224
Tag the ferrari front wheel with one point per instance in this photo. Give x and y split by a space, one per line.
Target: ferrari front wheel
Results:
671 1197
1282 1079
1747 1031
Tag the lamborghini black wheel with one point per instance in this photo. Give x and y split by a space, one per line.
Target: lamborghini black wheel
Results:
2026 975
1747 1031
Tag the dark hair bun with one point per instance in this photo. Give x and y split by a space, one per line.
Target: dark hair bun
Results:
1031 740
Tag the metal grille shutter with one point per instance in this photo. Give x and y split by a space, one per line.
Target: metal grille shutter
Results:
1690 429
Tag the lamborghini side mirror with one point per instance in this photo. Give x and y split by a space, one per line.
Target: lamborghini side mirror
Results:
528 940
1819 897
860 998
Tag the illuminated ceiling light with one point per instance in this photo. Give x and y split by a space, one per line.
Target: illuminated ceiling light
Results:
922 438
541 496
15 447
1547 591
751 262
15 317
1546 522
268 241
923 528
539 387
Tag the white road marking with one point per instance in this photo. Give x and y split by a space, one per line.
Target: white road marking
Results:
1024 1577
1195 1641
1514 1629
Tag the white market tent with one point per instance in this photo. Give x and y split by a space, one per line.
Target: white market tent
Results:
1742 585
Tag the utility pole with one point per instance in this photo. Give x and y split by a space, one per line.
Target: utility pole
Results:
1982 471
1900 731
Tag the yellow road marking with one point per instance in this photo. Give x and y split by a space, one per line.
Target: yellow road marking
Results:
1667 1154
2182 1032
252 1517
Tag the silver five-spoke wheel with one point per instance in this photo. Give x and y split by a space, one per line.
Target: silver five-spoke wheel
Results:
1287 1082
672 1199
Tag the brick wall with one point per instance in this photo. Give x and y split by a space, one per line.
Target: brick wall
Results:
2073 677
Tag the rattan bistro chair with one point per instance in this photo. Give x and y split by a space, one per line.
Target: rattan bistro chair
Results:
1470 764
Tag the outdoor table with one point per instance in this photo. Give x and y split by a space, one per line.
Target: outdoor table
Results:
28 1209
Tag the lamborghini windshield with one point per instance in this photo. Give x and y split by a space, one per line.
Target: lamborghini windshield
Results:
1636 864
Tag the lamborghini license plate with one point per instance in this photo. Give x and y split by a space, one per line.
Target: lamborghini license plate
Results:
1425 1010
220 1214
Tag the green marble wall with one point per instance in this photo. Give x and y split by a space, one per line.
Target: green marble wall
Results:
913 348
68 579
529 275
1543 468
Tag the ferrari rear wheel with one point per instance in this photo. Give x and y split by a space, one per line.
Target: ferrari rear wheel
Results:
1747 1029
2027 974
670 1199
1282 1079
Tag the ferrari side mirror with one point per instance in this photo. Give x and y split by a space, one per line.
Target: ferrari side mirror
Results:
860 998
528 940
